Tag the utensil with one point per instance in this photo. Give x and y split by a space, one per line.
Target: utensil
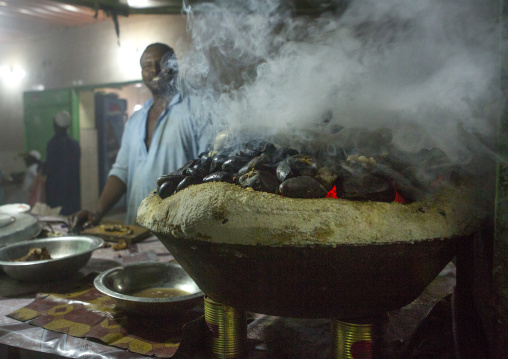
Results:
122 284
69 254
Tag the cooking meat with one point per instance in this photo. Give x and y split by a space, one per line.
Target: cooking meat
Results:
34 254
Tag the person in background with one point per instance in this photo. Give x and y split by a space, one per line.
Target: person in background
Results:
62 167
31 189
158 139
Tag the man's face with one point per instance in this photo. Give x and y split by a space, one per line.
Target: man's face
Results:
151 67
169 68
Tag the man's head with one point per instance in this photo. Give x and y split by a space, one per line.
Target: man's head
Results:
31 157
151 66
61 121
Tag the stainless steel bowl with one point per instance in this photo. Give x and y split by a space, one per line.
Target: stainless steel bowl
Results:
69 254
122 282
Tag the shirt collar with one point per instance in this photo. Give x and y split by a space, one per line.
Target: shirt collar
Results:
176 99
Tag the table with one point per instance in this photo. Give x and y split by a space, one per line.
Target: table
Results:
22 340
268 336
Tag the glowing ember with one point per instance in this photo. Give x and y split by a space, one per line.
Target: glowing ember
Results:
399 198
332 193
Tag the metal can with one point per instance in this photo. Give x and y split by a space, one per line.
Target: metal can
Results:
227 330
351 341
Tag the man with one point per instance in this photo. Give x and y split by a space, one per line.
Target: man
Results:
32 191
62 167
159 138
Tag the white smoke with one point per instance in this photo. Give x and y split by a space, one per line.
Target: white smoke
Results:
429 70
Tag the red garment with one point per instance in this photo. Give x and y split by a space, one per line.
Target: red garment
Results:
37 192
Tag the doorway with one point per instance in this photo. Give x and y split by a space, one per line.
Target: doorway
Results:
103 111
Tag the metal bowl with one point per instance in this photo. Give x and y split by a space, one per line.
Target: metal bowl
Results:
122 283
69 254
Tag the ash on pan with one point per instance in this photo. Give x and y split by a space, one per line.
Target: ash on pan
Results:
374 171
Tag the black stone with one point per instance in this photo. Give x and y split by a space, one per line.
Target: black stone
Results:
260 181
186 182
327 177
302 187
184 168
197 171
167 189
261 146
302 165
284 171
217 162
221 176
171 178
283 153
368 188
257 163
234 163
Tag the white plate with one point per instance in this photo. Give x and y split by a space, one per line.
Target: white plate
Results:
14 208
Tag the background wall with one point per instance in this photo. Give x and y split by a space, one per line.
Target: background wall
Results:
88 55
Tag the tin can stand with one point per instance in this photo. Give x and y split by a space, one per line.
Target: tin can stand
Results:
354 340
227 330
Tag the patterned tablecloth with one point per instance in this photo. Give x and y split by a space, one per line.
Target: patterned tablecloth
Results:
87 313
27 336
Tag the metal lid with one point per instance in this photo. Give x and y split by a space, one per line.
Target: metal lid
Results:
17 227
6 220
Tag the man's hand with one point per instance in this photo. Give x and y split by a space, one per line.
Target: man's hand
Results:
84 219
112 192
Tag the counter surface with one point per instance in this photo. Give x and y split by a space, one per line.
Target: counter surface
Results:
269 336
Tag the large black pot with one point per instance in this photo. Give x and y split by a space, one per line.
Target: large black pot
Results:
318 258
314 281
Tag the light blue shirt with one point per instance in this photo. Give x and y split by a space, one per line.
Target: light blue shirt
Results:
176 140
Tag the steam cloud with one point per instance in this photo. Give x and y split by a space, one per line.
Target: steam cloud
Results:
429 70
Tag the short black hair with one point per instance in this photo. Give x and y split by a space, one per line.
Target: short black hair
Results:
164 47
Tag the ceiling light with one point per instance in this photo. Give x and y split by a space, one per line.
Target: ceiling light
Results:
3 3
19 73
26 12
42 11
54 8
11 75
4 70
70 8
138 3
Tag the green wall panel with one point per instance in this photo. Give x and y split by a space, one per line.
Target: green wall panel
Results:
37 99
39 109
